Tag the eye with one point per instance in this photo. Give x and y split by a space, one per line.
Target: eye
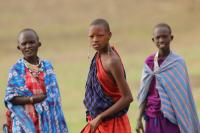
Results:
157 38
23 43
100 35
91 36
32 42
164 36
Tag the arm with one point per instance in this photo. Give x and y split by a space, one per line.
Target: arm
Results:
139 125
117 71
22 100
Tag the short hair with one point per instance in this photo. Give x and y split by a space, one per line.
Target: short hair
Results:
102 22
163 25
31 30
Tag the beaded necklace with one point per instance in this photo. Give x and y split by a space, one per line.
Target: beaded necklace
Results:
33 69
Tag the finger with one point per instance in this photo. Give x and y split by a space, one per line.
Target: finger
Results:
142 128
137 130
92 129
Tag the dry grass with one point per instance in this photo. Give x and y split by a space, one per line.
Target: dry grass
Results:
62 26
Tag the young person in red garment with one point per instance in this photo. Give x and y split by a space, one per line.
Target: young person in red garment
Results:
107 96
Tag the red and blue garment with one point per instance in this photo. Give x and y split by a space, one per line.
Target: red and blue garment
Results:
50 118
101 93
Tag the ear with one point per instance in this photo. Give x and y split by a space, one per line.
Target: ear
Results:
172 37
18 47
152 39
39 44
110 34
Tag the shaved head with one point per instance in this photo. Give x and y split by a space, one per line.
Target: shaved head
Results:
163 25
102 22
29 30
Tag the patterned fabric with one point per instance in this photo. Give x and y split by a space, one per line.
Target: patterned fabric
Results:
37 86
96 101
51 117
153 103
172 83
155 121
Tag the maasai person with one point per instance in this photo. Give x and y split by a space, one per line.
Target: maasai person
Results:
107 96
32 95
165 96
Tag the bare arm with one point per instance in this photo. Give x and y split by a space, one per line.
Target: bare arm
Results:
117 72
139 125
22 100
141 110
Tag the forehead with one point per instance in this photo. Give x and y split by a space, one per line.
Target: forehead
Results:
161 30
97 29
27 36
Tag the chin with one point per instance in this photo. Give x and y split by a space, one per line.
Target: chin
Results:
29 56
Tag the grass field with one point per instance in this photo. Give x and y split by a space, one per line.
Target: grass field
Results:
63 25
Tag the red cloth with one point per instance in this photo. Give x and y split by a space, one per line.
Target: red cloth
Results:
37 86
9 120
109 86
116 125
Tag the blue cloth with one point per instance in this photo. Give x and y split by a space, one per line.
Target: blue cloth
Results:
172 83
51 117
96 101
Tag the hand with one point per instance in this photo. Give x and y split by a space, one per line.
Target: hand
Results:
38 98
139 126
95 122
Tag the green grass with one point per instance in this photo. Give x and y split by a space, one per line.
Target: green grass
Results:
63 25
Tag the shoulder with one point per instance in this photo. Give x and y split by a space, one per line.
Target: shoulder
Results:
150 58
18 65
114 59
46 63
149 61
178 57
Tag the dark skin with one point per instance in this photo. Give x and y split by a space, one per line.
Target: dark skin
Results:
28 44
99 39
162 38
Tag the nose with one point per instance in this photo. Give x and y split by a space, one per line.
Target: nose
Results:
161 40
28 45
95 39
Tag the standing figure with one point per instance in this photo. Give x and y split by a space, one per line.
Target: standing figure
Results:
165 97
32 95
107 96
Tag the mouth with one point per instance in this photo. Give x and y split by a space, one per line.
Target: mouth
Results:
162 45
95 45
29 51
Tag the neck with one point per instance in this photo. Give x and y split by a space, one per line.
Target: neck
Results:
163 53
105 50
32 60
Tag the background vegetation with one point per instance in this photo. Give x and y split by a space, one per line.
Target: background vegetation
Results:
62 26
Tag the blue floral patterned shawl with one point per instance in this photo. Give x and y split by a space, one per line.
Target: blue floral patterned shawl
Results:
51 117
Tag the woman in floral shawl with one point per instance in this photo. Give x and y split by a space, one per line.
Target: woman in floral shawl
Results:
32 95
